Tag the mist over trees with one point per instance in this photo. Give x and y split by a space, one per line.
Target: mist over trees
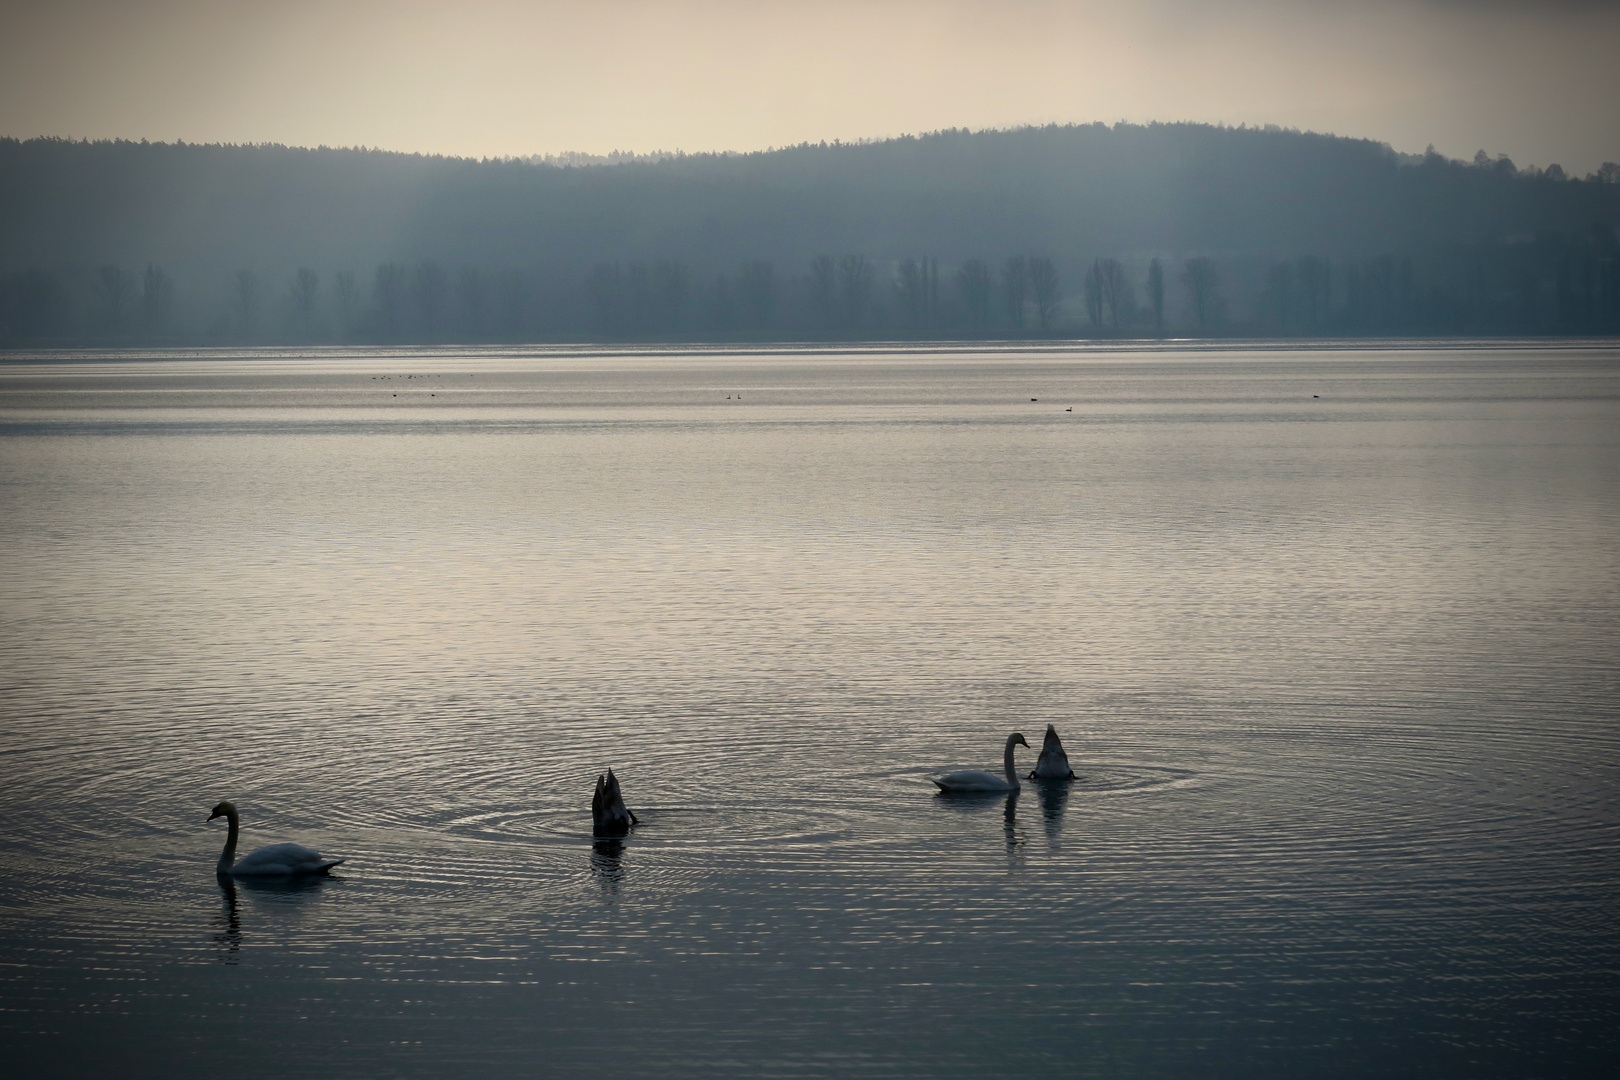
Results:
1092 230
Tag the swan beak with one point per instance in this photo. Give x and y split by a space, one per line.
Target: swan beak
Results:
211 817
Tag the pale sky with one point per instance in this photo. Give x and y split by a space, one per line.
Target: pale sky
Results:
1537 81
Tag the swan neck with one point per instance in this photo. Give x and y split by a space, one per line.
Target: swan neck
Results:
228 857
1007 762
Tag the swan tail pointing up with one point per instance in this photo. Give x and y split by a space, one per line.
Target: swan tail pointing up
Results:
1053 764
609 815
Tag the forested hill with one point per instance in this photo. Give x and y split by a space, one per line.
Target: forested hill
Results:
1040 230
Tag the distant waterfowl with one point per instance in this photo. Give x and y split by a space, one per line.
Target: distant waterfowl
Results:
609 815
1053 764
280 860
972 780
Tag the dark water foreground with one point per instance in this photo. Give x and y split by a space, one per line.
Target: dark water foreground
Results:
1331 636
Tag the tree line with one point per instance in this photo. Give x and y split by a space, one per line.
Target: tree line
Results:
1084 230
1551 285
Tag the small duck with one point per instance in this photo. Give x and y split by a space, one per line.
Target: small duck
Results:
1053 764
609 815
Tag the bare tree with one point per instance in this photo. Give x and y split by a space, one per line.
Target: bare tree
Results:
916 287
1315 287
114 288
157 298
1279 301
389 287
429 286
1015 289
1200 280
974 286
516 301
347 295
671 291
639 304
1116 289
756 293
1155 287
303 289
35 304
1094 295
720 312
245 302
472 296
1043 282
607 293
824 289
854 290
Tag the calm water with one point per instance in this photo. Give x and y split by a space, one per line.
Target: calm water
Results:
1338 672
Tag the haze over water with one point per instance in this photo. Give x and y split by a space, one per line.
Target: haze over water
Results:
1330 636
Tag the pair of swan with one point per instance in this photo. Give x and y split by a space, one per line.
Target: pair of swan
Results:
609 815
1053 764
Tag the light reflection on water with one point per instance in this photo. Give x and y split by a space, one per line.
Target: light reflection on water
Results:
1337 676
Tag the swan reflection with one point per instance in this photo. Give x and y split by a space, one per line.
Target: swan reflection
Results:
978 802
1014 835
280 892
229 923
283 894
1054 797
606 864
267 894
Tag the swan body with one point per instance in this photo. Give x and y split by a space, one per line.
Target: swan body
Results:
1053 764
609 815
974 780
279 860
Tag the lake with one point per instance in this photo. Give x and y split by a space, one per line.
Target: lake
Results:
1330 635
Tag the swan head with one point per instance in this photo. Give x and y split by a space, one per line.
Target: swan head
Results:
224 810
1016 739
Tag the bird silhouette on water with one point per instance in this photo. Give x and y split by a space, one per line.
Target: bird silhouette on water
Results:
609 815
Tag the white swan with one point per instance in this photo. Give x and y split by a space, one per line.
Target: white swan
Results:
609 815
281 860
984 781
1053 764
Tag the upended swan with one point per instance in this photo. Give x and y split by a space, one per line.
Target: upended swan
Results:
609 815
972 780
1053 764
282 860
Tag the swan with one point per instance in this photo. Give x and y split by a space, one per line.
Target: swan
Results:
609 815
278 859
1053 764
984 781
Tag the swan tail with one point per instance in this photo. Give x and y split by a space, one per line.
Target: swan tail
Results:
328 864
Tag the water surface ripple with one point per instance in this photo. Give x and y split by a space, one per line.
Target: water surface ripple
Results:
1330 635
